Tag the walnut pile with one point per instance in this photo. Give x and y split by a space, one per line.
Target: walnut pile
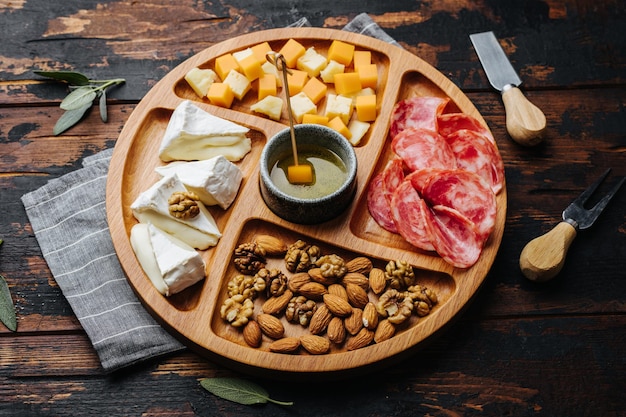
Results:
343 304
183 205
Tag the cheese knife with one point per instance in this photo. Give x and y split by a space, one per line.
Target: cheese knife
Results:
525 122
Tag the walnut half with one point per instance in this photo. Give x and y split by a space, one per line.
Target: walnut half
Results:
183 205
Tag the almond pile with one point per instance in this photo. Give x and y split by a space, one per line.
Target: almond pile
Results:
343 304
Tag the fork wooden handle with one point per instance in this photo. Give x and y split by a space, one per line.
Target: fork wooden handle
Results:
525 122
543 257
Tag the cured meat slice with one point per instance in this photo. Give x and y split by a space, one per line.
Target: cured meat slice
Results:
408 209
423 148
451 122
416 112
393 175
454 236
475 153
378 204
467 193
420 178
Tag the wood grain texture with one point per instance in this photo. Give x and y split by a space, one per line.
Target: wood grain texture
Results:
520 348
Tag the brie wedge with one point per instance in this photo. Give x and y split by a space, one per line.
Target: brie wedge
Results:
215 181
171 264
193 134
151 206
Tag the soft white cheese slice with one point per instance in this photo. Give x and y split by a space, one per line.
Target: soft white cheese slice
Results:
215 181
193 134
151 206
171 265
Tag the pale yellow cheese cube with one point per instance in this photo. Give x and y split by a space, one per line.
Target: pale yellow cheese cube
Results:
200 80
311 62
238 83
328 73
241 55
338 106
357 129
301 104
270 106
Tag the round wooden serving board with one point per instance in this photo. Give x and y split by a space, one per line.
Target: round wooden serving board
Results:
193 315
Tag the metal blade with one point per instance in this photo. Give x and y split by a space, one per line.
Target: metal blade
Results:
495 63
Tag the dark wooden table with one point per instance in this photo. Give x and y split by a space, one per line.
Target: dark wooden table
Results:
520 349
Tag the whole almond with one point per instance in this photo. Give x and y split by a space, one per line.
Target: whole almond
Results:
297 281
378 282
357 296
370 316
273 246
360 264
354 322
339 290
315 345
252 334
316 275
285 345
385 330
336 331
271 325
356 278
320 320
313 290
275 305
337 305
363 338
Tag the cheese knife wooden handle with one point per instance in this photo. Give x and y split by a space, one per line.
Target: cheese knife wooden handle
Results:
525 122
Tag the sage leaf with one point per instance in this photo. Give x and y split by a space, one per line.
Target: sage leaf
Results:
239 390
69 119
72 77
7 309
103 106
79 98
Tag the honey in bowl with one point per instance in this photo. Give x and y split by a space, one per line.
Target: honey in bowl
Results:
329 172
334 164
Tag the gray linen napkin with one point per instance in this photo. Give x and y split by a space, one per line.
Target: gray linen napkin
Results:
68 217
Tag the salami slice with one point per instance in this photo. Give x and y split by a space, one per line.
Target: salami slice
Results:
378 204
408 209
454 236
467 193
416 112
451 122
475 153
422 148
420 178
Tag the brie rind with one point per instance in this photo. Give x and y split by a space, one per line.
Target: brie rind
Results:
193 134
151 206
215 181
170 264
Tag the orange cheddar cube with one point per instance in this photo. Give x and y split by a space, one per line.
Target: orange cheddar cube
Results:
221 95
296 81
315 119
368 75
267 86
292 50
315 90
260 50
347 83
338 125
251 67
366 108
341 52
224 64
361 58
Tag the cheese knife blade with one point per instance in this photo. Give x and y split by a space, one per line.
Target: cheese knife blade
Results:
524 121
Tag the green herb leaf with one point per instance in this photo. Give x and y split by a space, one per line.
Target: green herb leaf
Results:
7 309
238 390
69 119
103 106
79 98
72 77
